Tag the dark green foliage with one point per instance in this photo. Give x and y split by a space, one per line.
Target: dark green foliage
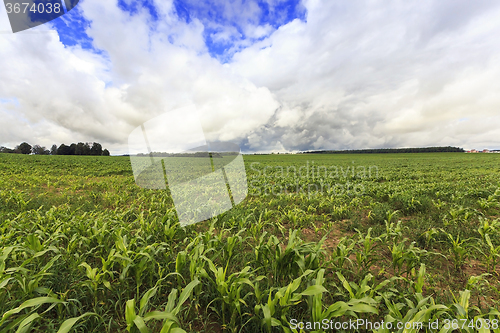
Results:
53 150
80 149
96 149
391 150
7 150
24 148
38 150
64 150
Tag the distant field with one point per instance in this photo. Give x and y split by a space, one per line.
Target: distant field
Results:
392 237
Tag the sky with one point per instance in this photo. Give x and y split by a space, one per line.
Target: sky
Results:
269 75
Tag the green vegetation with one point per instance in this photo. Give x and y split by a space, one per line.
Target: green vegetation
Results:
392 237
73 149
391 150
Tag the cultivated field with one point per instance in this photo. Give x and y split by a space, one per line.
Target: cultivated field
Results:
411 238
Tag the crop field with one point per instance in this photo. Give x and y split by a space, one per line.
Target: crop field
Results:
330 239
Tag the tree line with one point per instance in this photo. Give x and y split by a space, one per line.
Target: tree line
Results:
190 154
79 148
391 150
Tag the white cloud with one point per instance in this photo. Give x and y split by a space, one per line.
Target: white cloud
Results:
140 75
372 74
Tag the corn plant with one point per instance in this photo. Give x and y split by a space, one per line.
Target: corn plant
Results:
257 228
355 305
458 214
229 289
28 280
487 227
97 276
394 233
273 313
491 255
25 320
460 315
296 258
170 227
342 251
5 276
414 312
297 218
407 257
171 324
366 252
429 236
139 261
459 251
493 201
364 291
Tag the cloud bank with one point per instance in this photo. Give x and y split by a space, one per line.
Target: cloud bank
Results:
344 75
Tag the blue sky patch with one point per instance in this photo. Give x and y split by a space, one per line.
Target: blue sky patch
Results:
134 6
220 17
14 101
229 25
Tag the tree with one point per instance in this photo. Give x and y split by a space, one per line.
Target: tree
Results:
79 148
72 149
7 150
63 150
86 149
24 148
96 149
39 150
